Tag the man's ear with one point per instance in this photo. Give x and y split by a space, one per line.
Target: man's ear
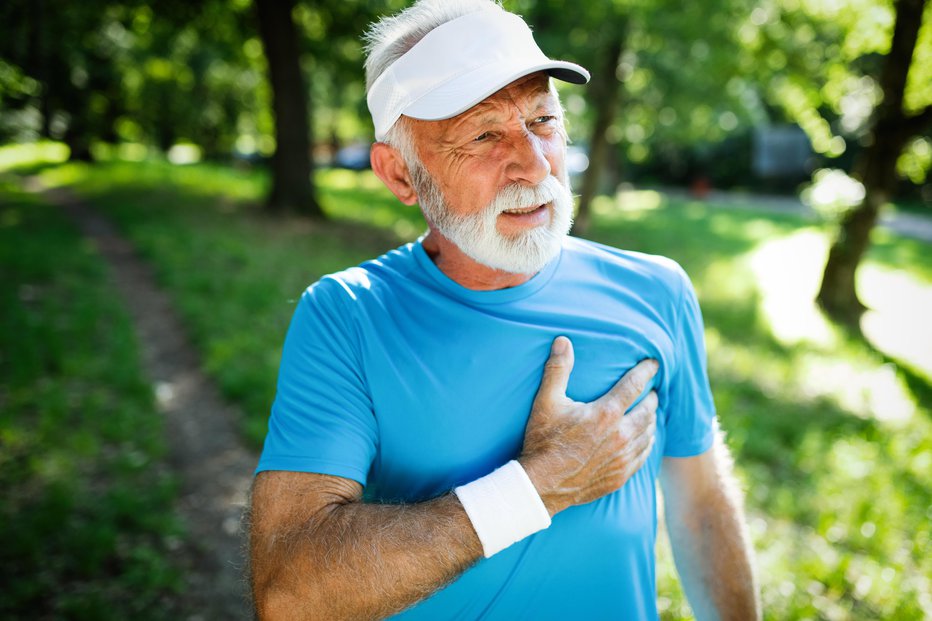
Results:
390 167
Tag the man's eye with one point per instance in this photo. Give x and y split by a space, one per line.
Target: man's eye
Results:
545 119
481 137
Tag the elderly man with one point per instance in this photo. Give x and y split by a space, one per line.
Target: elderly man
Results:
472 426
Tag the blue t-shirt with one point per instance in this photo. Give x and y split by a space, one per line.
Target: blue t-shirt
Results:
399 378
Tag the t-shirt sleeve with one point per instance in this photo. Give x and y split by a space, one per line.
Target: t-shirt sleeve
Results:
690 412
322 418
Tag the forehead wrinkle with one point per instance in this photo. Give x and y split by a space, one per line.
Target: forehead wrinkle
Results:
488 111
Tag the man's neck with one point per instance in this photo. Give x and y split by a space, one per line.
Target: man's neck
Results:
465 271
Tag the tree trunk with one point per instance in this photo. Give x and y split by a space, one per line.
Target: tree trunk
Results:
876 167
292 184
78 141
37 58
606 101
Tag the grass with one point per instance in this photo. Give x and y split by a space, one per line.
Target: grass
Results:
831 429
86 506
235 273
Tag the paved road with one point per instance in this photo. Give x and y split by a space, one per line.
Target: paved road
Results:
909 225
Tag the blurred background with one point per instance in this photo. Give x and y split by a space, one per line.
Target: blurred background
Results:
778 149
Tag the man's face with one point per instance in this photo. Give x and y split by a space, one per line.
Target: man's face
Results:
493 179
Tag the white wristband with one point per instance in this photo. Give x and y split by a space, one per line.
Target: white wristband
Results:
504 507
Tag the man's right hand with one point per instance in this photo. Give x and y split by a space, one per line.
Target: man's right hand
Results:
577 452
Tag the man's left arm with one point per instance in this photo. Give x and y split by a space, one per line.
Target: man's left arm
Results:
705 520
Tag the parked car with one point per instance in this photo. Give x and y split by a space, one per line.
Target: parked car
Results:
354 156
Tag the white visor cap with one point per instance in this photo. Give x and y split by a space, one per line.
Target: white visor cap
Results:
457 65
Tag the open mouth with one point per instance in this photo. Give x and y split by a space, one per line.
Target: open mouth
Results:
512 221
523 210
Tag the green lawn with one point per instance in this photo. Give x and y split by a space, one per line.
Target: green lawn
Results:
831 430
85 509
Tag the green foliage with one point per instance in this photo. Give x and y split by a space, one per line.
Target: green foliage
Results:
823 64
680 71
160 74
333 58
697 77
128 71
86 508
190 79
832 435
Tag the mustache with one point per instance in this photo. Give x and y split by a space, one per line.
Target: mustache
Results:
516 196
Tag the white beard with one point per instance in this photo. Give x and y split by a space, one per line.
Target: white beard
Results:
477 234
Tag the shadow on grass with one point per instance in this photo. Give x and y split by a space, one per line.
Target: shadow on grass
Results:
892 250
919 386
690 232
31 169
767 419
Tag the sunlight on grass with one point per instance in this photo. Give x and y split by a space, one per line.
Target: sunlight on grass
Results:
33 154
126 151
639 200
787 283
861 388
361 197
783 270
900 302
633 204
900 320
853 383
225 184
349 179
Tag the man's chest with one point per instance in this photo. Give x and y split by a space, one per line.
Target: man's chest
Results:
452 387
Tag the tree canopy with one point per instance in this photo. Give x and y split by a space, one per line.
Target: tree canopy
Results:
681 88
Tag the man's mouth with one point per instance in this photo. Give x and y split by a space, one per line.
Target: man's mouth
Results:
512 221
523 210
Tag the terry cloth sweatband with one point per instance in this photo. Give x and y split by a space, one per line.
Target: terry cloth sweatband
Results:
504 507
457 65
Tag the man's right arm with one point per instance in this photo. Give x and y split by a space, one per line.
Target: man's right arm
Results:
318 551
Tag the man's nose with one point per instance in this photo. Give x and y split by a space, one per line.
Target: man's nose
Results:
528 164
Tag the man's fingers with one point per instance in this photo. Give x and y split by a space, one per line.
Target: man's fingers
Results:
635 464
641 437
557 370
645 407
642 418
630 386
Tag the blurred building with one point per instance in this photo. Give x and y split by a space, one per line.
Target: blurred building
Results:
781 151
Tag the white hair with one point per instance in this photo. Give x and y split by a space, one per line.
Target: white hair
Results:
391 37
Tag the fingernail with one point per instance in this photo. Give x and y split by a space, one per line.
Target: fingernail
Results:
559 345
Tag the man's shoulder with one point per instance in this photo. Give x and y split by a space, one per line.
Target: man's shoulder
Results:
373 278
615 263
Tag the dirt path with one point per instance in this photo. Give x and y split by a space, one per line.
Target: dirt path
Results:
214 469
